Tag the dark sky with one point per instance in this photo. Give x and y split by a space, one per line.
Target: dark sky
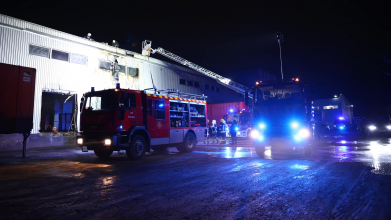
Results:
337 45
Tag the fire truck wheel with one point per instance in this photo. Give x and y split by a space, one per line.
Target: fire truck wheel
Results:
188 144
260 150
137 148
103 153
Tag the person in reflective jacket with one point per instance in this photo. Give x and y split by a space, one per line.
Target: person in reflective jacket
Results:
212 130
222 131
232 131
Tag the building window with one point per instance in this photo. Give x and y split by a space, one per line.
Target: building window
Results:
330 107
121 69
59 55
79 59
132 71
206 87
104 65
197 84
217 89
190 83
212 88
39 51
182 81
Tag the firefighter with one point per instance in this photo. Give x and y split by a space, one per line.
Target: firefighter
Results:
206 134
233 131
222 131
212 130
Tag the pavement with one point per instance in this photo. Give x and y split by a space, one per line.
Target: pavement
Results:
346 177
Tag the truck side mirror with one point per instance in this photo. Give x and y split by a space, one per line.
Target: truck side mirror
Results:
81 103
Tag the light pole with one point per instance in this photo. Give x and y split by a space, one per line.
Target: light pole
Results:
280 39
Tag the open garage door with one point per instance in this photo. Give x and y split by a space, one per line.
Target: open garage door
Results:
58 111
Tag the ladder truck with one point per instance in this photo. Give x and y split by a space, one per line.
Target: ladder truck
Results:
147 50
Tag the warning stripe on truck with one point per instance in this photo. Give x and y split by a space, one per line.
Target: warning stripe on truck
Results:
174 98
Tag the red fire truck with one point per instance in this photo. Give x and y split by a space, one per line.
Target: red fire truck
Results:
137 121
231 111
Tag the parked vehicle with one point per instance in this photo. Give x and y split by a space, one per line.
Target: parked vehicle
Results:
340 124
137 121
373 127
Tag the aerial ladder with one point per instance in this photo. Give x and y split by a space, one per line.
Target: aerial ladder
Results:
147 50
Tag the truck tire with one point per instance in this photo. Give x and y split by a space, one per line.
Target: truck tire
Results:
188 144
260 150
103 153
136 148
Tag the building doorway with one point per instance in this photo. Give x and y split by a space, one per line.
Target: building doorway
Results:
58 112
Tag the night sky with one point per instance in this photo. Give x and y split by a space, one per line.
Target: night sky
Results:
336 45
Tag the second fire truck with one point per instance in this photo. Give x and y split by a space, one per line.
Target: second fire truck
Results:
137 121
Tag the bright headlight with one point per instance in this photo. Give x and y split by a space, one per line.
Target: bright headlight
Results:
372 127
254 134
304 133
262 126
294 125
107 142
80 141
388 127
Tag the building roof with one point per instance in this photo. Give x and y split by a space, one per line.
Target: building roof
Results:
18 24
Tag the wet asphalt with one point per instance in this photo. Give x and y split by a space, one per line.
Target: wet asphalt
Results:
346 177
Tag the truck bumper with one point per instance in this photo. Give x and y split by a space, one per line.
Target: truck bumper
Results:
241 133
94 142
284 144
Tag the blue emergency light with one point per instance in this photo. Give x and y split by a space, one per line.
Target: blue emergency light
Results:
92 89
117 86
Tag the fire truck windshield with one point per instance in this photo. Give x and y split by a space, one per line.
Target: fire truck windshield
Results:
240 118
101 101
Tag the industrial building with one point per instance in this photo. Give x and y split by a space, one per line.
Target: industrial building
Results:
330 110
68 66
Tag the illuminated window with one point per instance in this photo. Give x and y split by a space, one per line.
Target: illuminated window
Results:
330 107
79 59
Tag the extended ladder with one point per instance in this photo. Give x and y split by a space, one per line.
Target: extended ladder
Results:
220 79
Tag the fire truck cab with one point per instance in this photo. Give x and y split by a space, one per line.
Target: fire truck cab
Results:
140 120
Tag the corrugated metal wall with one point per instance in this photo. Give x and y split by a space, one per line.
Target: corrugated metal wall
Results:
59 75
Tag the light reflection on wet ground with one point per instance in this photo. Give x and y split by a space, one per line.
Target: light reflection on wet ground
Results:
334 147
